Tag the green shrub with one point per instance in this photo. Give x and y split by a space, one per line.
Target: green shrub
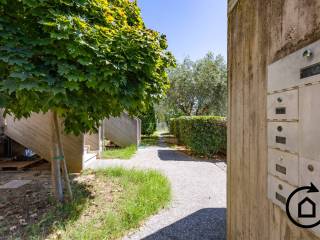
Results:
148 121
204 135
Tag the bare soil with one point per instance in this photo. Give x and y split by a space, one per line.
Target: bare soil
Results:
20 207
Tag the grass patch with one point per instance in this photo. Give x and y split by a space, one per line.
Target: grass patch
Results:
118 200
120 153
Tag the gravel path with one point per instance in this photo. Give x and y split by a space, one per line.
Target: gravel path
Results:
198 208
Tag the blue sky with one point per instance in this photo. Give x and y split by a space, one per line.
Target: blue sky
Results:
193 27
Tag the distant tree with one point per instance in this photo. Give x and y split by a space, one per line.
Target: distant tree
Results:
198 88
83 60
164 112
148 121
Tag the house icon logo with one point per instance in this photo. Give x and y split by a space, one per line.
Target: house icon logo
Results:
306 208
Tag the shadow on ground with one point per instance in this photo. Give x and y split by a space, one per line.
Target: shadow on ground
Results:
175 155
205 224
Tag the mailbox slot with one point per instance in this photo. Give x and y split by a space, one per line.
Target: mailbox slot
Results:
284 166
283 106
283 135
282 140
281 169
310 71
279 191
281 111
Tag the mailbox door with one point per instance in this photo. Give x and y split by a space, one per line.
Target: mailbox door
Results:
283 106
310 172
283 135
310 122
278 193
294 70
284 165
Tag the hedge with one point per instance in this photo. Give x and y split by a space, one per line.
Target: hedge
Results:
204 135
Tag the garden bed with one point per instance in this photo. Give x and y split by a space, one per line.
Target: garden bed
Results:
107 204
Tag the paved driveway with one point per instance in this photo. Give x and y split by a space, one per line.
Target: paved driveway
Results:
198 209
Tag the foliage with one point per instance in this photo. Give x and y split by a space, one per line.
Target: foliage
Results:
135 196
120 153
205 135
84 59
166 110
148 121
197 88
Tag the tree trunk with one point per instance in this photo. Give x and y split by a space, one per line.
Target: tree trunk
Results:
61 155
56 162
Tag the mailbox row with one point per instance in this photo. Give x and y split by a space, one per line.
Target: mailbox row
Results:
293 113
294 146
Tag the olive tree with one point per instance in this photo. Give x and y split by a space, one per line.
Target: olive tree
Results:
82 60
198 88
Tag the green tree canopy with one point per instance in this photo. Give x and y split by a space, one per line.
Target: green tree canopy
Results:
198 88
84 59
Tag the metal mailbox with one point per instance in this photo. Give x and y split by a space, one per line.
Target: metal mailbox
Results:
278 192
284 166
310 122
283 106
293 120
310 172
283 135
295 70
